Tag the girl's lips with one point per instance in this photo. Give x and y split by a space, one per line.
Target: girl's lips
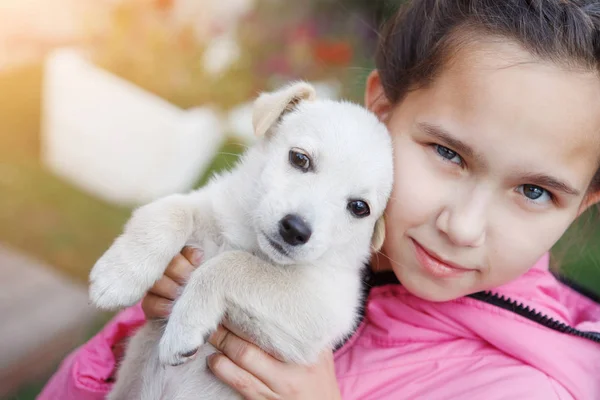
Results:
434 265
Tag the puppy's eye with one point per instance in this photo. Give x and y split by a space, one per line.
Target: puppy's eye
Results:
359 208
300 160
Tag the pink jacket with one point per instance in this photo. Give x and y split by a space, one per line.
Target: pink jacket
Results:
407 348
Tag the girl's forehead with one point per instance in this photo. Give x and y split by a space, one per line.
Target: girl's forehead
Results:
530 111
505 81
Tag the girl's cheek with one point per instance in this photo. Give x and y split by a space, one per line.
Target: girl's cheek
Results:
518 240
419 187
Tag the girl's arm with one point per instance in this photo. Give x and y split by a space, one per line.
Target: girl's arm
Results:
89 371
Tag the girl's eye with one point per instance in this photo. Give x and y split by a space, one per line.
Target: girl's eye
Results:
359 208
299 160
535 193
448 154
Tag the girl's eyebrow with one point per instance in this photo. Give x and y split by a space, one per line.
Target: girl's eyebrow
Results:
464 149
550 182
443 135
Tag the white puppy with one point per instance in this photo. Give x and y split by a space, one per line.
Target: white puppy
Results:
285 236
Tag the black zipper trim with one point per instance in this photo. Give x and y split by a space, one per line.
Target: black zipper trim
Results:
533 315
388 277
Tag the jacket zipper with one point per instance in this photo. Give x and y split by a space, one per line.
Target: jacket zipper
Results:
533 315
388 277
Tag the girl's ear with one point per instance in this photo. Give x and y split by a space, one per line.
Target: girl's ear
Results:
375 99
270 107
378 235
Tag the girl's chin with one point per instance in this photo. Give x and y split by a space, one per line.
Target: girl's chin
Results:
425 288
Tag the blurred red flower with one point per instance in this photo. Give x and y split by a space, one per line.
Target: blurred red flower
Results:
335 52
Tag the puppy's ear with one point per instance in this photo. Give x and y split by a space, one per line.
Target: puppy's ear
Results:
378 235
270 107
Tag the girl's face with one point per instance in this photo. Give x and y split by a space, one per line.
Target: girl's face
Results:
492 161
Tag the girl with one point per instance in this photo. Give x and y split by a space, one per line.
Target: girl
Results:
494 111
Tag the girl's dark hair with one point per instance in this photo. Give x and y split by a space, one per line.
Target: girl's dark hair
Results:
420 39
595 186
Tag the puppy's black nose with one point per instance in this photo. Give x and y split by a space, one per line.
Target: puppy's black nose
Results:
293 230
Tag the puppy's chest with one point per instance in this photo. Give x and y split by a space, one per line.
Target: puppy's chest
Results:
305 316
277 333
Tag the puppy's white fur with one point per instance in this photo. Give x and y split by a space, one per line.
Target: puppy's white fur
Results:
293 301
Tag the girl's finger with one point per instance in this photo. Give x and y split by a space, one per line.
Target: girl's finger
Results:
156 307
166 287
246 355
249 386
179 269
193 255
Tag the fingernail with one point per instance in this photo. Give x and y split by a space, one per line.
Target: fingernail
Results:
209 359
196 257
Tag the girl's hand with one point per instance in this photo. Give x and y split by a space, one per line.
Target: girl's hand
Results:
159 300
257 375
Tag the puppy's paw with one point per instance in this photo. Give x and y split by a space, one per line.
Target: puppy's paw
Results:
178 346
115 281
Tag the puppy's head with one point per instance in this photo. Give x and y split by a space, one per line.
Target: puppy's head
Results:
325 177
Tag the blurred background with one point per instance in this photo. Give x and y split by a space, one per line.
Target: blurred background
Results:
107 104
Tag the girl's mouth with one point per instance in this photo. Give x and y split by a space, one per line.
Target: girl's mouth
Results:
436 266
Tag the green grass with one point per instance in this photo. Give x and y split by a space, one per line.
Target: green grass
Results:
578 253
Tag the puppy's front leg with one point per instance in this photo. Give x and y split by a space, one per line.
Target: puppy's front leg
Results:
196 313
155 233
294 325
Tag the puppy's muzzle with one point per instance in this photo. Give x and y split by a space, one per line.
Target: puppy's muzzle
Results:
294 230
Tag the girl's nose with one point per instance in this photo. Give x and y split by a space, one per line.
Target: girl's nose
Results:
464 220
